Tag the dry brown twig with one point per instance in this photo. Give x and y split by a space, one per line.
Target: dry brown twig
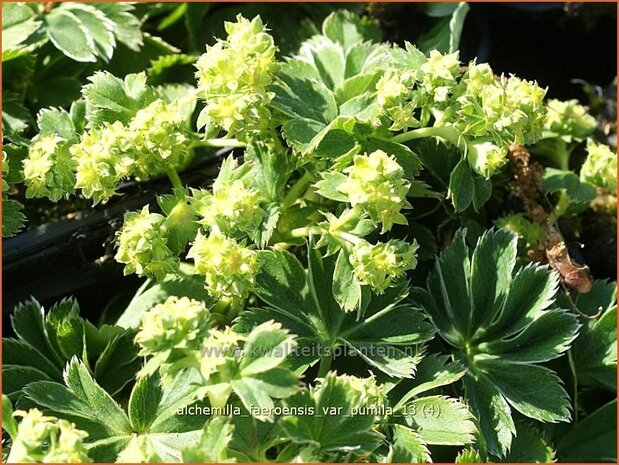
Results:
552 248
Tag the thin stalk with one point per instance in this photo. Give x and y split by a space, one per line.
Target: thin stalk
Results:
448 133
174 178
570 358
298 189
306 231
355 240
562 205
220 142
325 365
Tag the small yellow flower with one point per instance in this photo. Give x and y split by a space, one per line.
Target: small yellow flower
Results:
569 119
177 323
229 268
45 439
441 66
379 265
486 157
49 169
142 245
231 207
600 167
376 183
234 74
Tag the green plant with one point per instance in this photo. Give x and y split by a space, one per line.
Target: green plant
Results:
283 315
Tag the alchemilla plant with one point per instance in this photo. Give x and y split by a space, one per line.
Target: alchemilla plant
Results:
285 316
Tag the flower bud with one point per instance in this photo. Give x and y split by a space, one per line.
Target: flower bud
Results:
367 388
379 265
228 267
600 167
68 447
252 38
49 169
398 99
394 87
142 245
177 323
477 76
486 157
376 183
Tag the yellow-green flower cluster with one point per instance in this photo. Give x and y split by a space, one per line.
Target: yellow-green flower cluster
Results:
158 138
233 76
177 323
476 77
509 109
228 267
569 119
138 450
377 185
379 265
439 73
230 206
46 439
142 245
531 233
368 388
398 99
600 167
152 142
49 168
103 160
485 157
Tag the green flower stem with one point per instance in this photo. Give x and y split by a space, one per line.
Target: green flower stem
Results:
352 214
325 365
306 231
220 142
562 205
317 230
570 358
298 189
355 240
446 132
556 150
221 311
174 178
